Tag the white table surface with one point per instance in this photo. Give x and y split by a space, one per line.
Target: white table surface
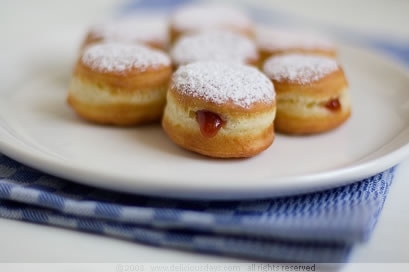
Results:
24 242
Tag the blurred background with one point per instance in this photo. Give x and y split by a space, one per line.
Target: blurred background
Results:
382 24
380 17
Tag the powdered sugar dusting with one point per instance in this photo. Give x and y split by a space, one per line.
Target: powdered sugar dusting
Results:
214 45
301 69
133 29
116 57
196 17
220 82
276 39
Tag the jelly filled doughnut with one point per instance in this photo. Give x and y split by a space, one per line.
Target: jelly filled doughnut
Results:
220 109
195 18
151 31
120 84
216 45
273 41
312 93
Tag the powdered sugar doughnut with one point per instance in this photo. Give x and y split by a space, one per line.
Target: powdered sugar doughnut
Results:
312 93
195 18
151 31
220 109
275 41
120 84
214 45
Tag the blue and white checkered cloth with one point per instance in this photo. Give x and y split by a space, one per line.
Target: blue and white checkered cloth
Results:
316 227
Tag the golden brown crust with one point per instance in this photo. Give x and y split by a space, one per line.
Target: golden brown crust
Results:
229 143
330 85
264 54
220 146
120 114
289 124
114 88
186 101
302 118
125 81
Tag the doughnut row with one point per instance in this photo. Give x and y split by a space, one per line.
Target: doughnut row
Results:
220 85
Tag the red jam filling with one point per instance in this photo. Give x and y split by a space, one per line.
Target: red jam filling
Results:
333 104
209 123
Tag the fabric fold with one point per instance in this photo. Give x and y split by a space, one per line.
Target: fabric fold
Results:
315 227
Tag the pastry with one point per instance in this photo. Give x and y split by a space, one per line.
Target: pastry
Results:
274 41
218 45
151 31
120 84
312 93
220 109
195 18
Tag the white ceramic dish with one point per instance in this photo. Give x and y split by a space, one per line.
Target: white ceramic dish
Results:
39 129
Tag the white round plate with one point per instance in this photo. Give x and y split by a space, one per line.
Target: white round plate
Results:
39 129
